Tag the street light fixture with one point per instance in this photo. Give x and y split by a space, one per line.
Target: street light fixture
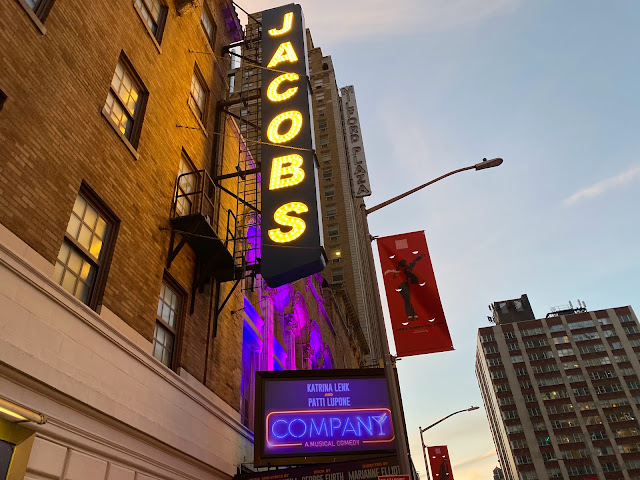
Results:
388 362
422 430
494 162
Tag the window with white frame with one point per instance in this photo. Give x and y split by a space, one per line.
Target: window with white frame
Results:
81 266
126 101
208 25
154 15
167 321
198 95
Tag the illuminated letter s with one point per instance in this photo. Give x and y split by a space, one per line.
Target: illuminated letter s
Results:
283 218
286 172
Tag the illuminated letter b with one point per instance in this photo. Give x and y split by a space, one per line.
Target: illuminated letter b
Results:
286 172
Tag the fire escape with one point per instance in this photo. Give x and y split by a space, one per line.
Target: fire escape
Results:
225 240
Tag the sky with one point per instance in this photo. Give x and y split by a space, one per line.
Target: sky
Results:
551 87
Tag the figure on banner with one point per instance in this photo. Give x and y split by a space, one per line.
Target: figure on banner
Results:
445 469
404 288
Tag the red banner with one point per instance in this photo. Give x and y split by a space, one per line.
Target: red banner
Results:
440 464
416 312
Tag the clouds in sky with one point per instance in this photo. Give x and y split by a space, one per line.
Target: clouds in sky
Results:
362 19
622 179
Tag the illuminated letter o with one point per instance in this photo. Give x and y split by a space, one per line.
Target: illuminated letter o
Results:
291 424
296 126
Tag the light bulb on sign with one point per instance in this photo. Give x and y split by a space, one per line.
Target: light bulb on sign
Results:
272 91
286 26
296 126
282 217
289 166
284 53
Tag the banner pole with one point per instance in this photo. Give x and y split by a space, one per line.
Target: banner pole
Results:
392 380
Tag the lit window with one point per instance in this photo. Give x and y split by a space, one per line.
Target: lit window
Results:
167 317
335 253
208 25
198 95
153 14
186 186
125 102
40 7
81 263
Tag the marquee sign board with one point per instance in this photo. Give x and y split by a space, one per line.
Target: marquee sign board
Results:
292 237
305 417
357 160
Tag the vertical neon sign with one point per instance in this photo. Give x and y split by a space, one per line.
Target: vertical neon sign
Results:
291 227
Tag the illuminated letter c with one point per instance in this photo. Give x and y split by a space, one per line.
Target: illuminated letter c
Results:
273 429
272 91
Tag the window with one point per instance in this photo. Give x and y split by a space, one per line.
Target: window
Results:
333 231
512 347
126 102
317 83
556 328
3 98
186 186
208 25
498 374
534 412
583 324
521 372
153 15
81 267
322 125
332 211
530 398
40 7
198 95
324 141
329 193
516 358
327 174
337 276
536 343
625 318
335 253
532 331
320 97
515 444
325 157
565 352
167 319
604 321
491 349
525 384
509 335
560 340
494 362
510 414
487 338
321 111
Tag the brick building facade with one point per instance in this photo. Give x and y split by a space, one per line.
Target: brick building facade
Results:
125 337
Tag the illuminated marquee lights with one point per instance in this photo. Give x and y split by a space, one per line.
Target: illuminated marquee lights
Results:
285 53
282 217
286 171
294 129
288 428
272 91
286 26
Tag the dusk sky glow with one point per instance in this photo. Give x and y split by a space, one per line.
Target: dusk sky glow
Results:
549 86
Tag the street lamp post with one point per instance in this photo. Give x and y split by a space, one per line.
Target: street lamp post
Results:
422 430
494 162
392 382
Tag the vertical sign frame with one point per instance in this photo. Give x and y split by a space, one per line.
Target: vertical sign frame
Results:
360 185
291 233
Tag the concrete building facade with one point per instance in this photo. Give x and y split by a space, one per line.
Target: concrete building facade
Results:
129 325
562 393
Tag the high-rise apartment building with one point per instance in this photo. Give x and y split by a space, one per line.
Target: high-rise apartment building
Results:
131 319
350 272
562 393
